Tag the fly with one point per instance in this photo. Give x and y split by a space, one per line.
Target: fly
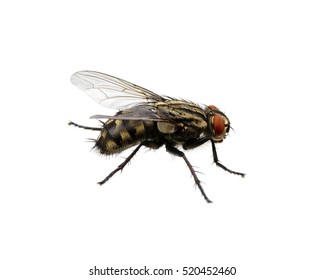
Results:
147 119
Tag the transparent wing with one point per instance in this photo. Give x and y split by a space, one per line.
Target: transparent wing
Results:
177 112
146 111
112 92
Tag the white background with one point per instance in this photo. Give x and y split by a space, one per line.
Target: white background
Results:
261 62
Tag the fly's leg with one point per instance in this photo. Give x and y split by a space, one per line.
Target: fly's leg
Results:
200 141
84 127
150 144
221 165
173 150
122 165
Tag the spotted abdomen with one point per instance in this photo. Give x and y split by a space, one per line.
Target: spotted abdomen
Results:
119 135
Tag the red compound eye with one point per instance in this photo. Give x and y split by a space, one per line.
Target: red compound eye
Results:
212 107
219 125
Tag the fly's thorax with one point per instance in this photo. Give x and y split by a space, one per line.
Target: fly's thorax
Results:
166 127
218 123
177 112
118 135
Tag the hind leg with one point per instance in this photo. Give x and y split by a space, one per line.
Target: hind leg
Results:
84 127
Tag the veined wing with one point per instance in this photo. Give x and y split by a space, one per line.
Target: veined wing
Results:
112 92
134 102
145 111
177 112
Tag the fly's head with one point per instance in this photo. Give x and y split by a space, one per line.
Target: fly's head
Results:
218 124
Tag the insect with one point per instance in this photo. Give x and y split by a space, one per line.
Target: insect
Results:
147 119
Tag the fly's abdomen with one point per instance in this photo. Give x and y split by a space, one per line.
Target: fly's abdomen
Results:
119 135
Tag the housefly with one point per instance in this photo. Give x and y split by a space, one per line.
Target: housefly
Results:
147 119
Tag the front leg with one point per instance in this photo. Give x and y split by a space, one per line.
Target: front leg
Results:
221 165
